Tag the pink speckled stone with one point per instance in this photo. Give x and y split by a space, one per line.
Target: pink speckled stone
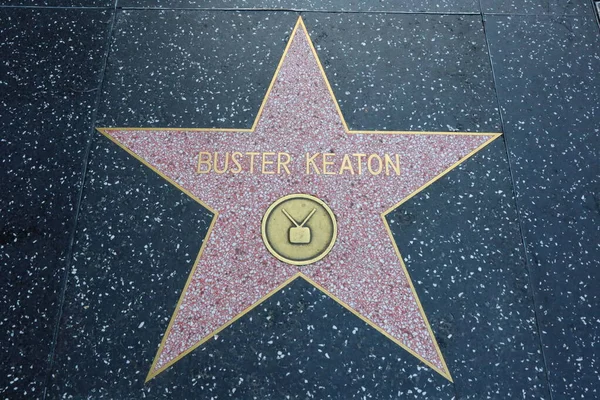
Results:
236 270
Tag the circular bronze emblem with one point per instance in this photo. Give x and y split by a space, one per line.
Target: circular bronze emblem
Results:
299 229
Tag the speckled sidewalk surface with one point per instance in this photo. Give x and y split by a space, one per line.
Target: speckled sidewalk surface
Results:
456 143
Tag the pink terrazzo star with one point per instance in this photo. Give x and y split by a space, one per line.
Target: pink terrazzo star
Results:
235 272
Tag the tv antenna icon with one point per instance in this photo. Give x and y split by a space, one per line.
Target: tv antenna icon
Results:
299 234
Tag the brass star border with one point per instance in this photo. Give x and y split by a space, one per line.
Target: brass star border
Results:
300 25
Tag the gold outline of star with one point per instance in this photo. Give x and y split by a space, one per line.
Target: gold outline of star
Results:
300 25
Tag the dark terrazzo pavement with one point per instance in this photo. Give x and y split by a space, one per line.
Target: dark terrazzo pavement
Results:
536 7
167 68
503 250
461 242
390 89
50 69
548 86
437 6
59 3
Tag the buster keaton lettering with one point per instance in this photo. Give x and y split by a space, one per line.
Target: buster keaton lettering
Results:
271 163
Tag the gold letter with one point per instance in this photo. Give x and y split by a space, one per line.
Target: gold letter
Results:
389 163
236 162
206 162
217 163
265 163
327 163
359 162
311 161
252 155
281 163
370 167
346 165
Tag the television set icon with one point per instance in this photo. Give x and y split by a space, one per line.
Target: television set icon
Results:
299 234
294 240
